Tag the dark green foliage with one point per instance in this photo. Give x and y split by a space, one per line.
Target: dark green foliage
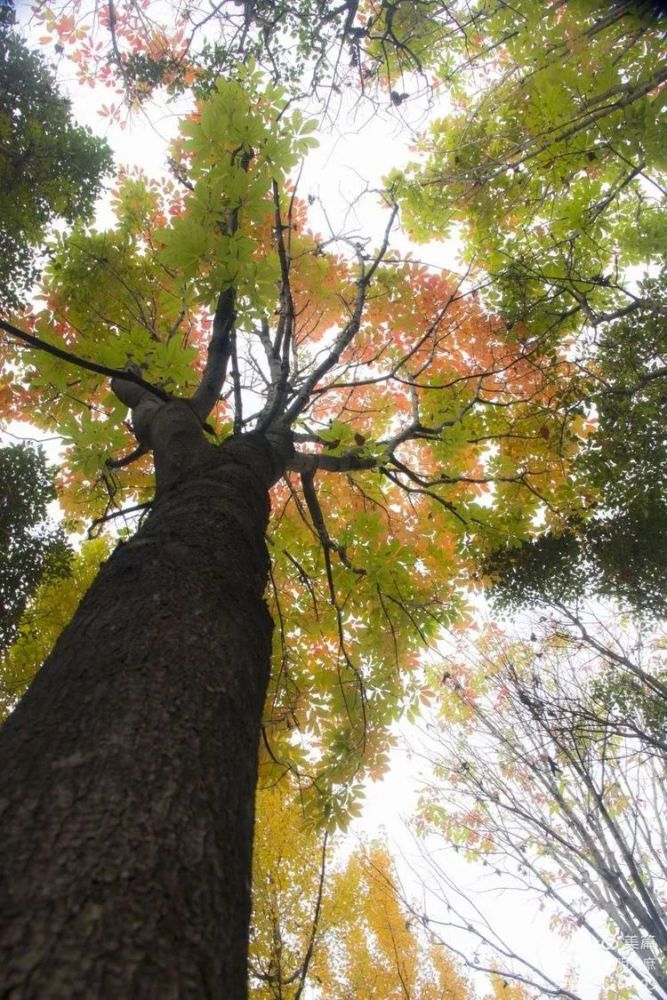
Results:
49 168
620 550
31 547
625 701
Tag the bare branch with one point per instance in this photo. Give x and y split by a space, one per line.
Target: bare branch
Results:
348 332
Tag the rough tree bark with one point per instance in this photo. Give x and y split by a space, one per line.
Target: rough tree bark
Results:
127 773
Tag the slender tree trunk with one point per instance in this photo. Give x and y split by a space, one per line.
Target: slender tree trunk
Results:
127 774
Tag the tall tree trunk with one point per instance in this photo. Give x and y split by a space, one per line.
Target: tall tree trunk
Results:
127 773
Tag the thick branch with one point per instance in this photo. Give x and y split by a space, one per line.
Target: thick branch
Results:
281 348
91 366
310 496
120 463
219 350
124 512
304 463
303 971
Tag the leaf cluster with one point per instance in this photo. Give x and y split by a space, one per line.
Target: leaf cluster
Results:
234 149
550 160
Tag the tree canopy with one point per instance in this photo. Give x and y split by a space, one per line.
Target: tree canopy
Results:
421 431
552 171
617 547
394 381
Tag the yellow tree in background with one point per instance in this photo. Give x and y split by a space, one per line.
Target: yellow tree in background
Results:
330 927
47 614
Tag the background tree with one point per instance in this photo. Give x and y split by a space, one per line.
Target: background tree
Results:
386 399
50 168
552 168
549 760
327 922
49 609
551 161
616 547
33 547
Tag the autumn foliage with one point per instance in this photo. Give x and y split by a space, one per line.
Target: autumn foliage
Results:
443 430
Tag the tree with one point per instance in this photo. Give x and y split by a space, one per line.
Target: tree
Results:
394 421
388 955
33 547
553 166
50 168
333 925
549 761
48 611
137 294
